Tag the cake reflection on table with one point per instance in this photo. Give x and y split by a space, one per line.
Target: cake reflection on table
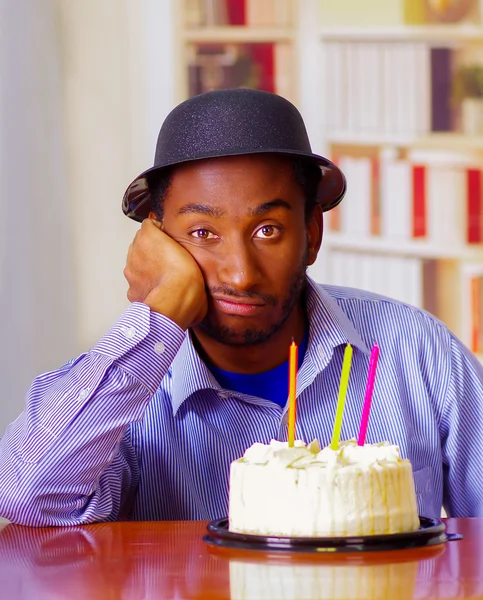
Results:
284 581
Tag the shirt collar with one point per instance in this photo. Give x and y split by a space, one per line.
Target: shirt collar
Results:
329 327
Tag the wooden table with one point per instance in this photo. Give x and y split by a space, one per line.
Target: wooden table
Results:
169 560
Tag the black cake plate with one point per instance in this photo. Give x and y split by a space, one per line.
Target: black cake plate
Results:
430 533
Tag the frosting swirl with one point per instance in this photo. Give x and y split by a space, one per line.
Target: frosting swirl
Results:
301 456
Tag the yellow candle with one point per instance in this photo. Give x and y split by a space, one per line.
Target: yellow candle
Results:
344 381
292 392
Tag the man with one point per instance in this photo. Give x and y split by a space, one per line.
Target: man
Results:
145 425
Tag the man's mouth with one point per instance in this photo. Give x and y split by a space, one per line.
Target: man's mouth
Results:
243 307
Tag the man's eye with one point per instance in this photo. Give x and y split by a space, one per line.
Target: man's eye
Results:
202 234
267 231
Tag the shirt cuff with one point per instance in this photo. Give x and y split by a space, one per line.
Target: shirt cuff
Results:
142 343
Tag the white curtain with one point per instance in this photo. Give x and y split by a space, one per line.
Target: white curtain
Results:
37 288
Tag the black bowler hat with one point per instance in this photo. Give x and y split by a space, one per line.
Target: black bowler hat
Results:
229 123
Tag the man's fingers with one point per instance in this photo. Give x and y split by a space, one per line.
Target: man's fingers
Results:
158 224
129 253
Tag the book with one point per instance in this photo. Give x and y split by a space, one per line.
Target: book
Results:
199 13
194 13
214 66
421 88
215 12
472 306
333 217
372 63
446 204
476 296
236 12
430 291
394 276
474 206
337 97
442 118
284 83
396 196
375 198
418 201
402 279
383 88
355 209
451 190
268 13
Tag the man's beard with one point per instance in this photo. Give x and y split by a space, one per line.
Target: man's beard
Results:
252 336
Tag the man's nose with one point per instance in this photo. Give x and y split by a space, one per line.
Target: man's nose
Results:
239 266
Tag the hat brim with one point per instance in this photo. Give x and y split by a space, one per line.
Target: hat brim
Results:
137 202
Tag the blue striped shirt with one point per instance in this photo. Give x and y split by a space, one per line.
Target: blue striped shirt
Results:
138 427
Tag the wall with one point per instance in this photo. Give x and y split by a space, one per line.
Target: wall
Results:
118 89
85 87
37 284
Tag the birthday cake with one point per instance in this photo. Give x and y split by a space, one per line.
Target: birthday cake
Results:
303 491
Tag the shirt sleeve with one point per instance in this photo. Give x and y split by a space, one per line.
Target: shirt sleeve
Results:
68 458
461 433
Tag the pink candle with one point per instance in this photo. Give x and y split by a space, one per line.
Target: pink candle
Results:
368 396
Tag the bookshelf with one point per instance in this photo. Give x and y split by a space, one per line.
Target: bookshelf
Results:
238 34
414 248
373 81
446 33
237 43
411 225
451 141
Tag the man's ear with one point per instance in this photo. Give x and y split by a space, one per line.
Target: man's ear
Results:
154 218
315 227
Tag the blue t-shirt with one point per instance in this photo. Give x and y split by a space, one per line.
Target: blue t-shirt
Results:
270 385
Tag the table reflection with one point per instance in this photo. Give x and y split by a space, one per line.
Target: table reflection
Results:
58 563
170 560
110 560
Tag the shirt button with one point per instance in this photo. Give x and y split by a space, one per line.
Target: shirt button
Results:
321 351
83 394
159 348
129 332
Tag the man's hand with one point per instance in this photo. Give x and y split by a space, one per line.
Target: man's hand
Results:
163 275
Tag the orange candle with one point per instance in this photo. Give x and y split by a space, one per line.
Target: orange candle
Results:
292 392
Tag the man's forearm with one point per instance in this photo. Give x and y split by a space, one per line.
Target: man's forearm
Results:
67 459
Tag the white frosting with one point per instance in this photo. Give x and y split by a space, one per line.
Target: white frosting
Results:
278 454
349 453
306 491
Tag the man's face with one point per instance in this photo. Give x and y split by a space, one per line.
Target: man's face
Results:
243 220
